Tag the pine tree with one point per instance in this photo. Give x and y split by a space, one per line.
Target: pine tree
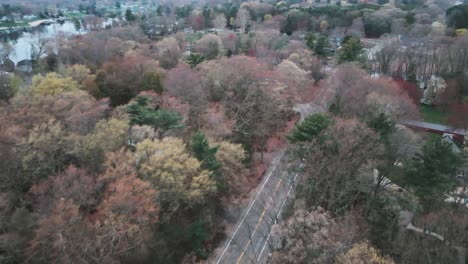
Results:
160 120
351 50
320 47
194 59
129 16
431 173
207 156
310 40
310 128
152 82
383 125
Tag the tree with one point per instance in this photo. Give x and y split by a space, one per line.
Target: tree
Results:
376 25
44 152
119 226
121 78
198 235
362 253
310 128
194 59
304 238
242 19
351 50
374 95
79 73
73 184
169 52
338 164
210 46
310 40
235 174
61 235
178 176
7 90
160 120
457 16
53 84
220 21
129 16
431 173
152 81
250 98
459 116
383 125
321 46
207 156
109 135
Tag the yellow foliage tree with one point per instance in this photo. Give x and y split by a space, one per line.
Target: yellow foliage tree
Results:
110 135
231 157
78 73
53 84
177 175
363 253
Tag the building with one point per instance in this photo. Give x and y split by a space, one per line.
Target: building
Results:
458 135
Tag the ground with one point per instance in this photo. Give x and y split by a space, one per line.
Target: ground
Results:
433 114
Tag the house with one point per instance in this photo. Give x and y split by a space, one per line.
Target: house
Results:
25 66
458 135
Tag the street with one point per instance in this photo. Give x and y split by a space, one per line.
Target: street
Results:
249 241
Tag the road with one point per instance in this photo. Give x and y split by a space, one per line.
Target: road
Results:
249 241
39 22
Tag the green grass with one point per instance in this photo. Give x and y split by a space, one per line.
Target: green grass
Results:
465 99
13 24
433 114
194 37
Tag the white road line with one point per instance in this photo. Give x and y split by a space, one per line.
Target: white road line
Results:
279 213
250 207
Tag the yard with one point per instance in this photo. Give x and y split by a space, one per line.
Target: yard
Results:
434 114
13 24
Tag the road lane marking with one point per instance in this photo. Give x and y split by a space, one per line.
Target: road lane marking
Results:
279 183
253 233
250 207
242 253
279 212
258 223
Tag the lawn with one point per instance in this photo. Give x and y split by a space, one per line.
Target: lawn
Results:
13 24
433 114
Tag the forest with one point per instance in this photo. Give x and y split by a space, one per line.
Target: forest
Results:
148 140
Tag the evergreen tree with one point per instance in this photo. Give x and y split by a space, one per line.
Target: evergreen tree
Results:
194 59
310 128
310 41
129 16
320 47
198 235
290 25
159 10
351 50
207 156
431 173
152 82
383 125
160 120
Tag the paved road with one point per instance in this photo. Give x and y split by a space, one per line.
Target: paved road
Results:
39 22
249 241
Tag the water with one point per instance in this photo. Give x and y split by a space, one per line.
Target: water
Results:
22 42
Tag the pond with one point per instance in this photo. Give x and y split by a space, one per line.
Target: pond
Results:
23 40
